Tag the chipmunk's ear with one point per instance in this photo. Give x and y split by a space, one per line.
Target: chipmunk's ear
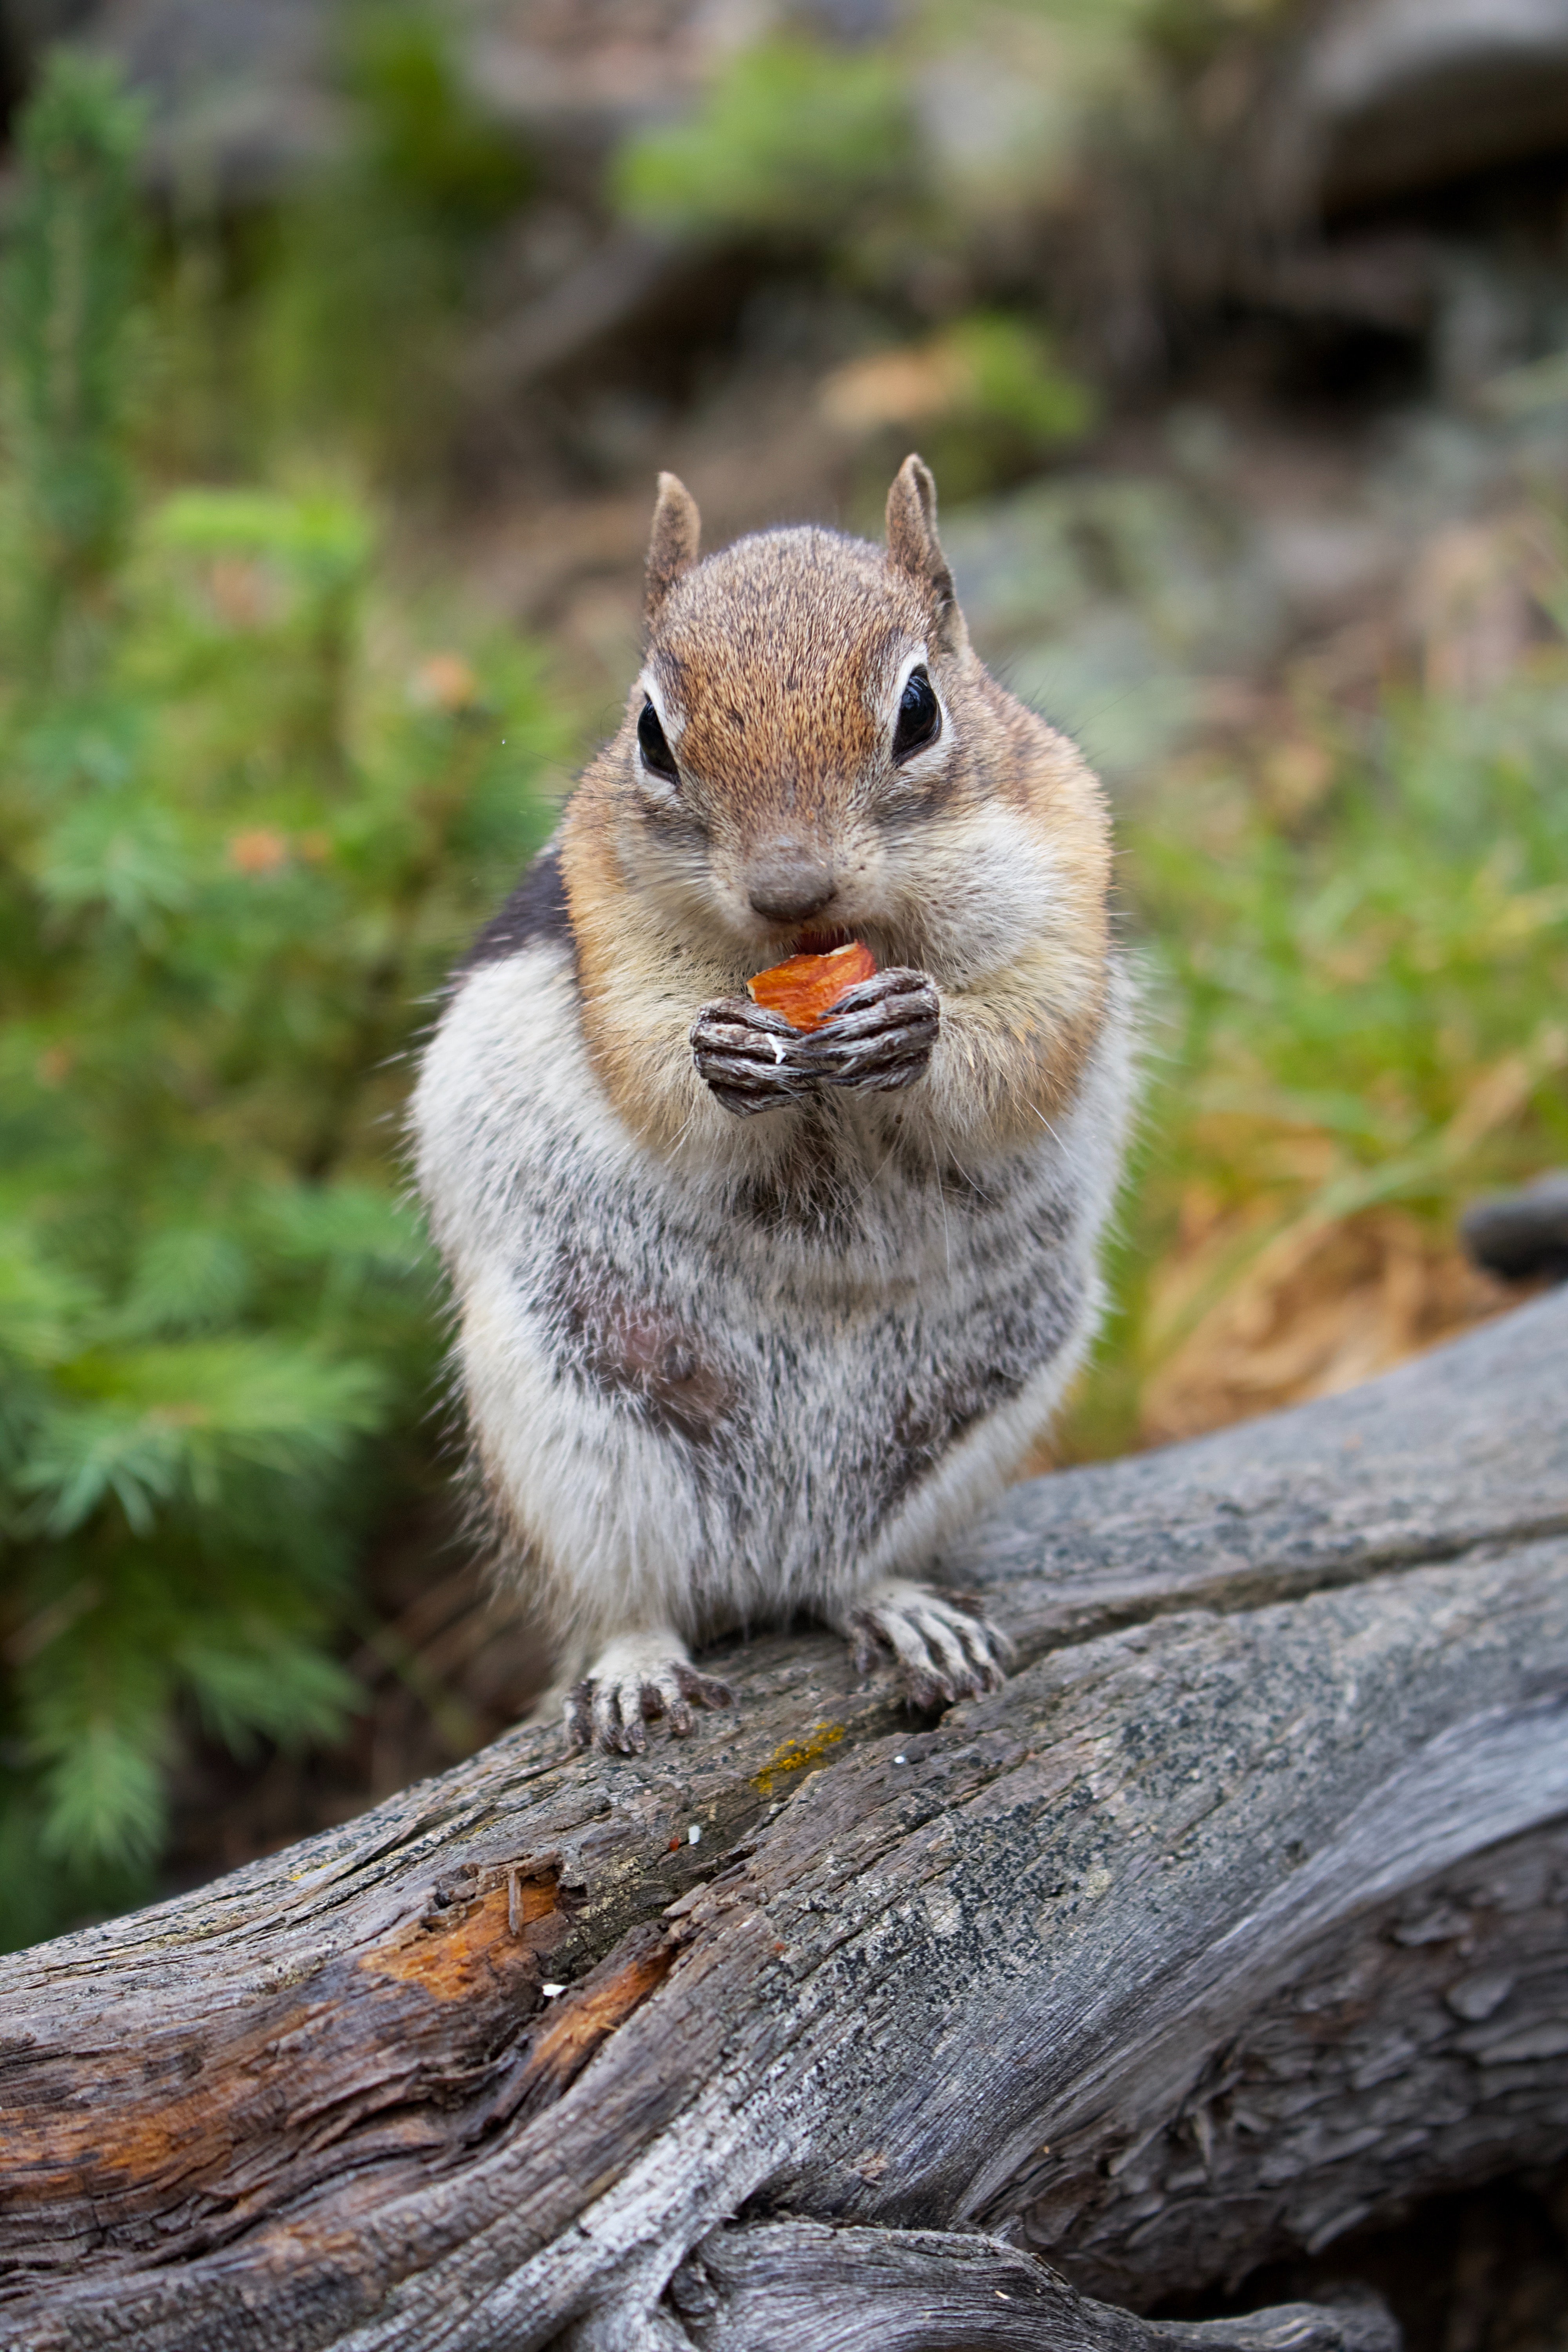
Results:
914 546
672 549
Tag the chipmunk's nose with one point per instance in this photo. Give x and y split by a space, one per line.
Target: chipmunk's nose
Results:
789 883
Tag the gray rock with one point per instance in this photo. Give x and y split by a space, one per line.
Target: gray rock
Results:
1400 96
239 92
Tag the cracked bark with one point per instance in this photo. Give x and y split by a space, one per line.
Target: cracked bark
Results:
1238 1918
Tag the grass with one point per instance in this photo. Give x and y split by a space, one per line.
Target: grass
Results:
1359 1023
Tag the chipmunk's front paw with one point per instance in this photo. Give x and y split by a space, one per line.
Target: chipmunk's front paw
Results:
945 1646
633 1683
749 1058
879 1035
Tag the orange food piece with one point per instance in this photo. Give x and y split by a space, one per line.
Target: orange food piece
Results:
805 988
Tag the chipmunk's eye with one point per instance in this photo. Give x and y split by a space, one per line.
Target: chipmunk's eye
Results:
656 753
919 717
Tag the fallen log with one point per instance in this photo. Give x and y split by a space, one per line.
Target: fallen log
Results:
1236 1919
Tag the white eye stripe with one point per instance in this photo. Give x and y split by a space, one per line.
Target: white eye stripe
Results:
673 726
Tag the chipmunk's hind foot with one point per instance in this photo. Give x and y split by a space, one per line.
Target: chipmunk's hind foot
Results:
632 1685
943 1644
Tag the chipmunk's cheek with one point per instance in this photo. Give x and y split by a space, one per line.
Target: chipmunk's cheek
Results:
873 876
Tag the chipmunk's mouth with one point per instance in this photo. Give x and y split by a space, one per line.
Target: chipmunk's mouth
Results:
822 939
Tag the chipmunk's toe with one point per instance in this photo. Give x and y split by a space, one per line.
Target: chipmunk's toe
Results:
943 1646
879 1035
611 1707
749 1058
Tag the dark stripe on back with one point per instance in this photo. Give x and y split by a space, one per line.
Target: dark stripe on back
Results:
536 911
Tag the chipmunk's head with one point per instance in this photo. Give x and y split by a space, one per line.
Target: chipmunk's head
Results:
813 755
808 707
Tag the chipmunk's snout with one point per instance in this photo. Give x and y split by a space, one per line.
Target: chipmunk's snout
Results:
788 882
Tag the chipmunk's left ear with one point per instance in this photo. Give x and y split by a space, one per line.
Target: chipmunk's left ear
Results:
672 549
914 546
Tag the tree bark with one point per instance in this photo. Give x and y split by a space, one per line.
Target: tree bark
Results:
1236 1919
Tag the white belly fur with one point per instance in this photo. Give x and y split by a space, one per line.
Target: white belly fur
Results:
863 1385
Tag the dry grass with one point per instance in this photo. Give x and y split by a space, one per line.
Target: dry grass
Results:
1319 1307
1356 938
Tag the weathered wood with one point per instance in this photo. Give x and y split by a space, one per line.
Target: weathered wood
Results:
1238 1917
801 2286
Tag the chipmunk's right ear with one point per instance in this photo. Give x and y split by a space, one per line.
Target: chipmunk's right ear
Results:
672 549
914 546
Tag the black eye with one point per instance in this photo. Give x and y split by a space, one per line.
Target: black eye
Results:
919 717
656 753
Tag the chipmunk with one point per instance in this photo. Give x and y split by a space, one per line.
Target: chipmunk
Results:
751 1318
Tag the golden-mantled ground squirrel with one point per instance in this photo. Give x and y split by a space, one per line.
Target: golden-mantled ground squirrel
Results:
753 1320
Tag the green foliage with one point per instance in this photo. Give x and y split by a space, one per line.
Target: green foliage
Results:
790 138
1018 380
237 859
861 159
1188 33
1368 981
362 279
66 312
1006 402
424 141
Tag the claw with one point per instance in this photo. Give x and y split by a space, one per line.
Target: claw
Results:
898 980
580 1715
613 1706
944 1647
879 1037
747 1056
708 1690
865 1652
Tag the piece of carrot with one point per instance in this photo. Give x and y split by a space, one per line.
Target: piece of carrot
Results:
805 988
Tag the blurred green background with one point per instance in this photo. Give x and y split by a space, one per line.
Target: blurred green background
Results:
340 347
